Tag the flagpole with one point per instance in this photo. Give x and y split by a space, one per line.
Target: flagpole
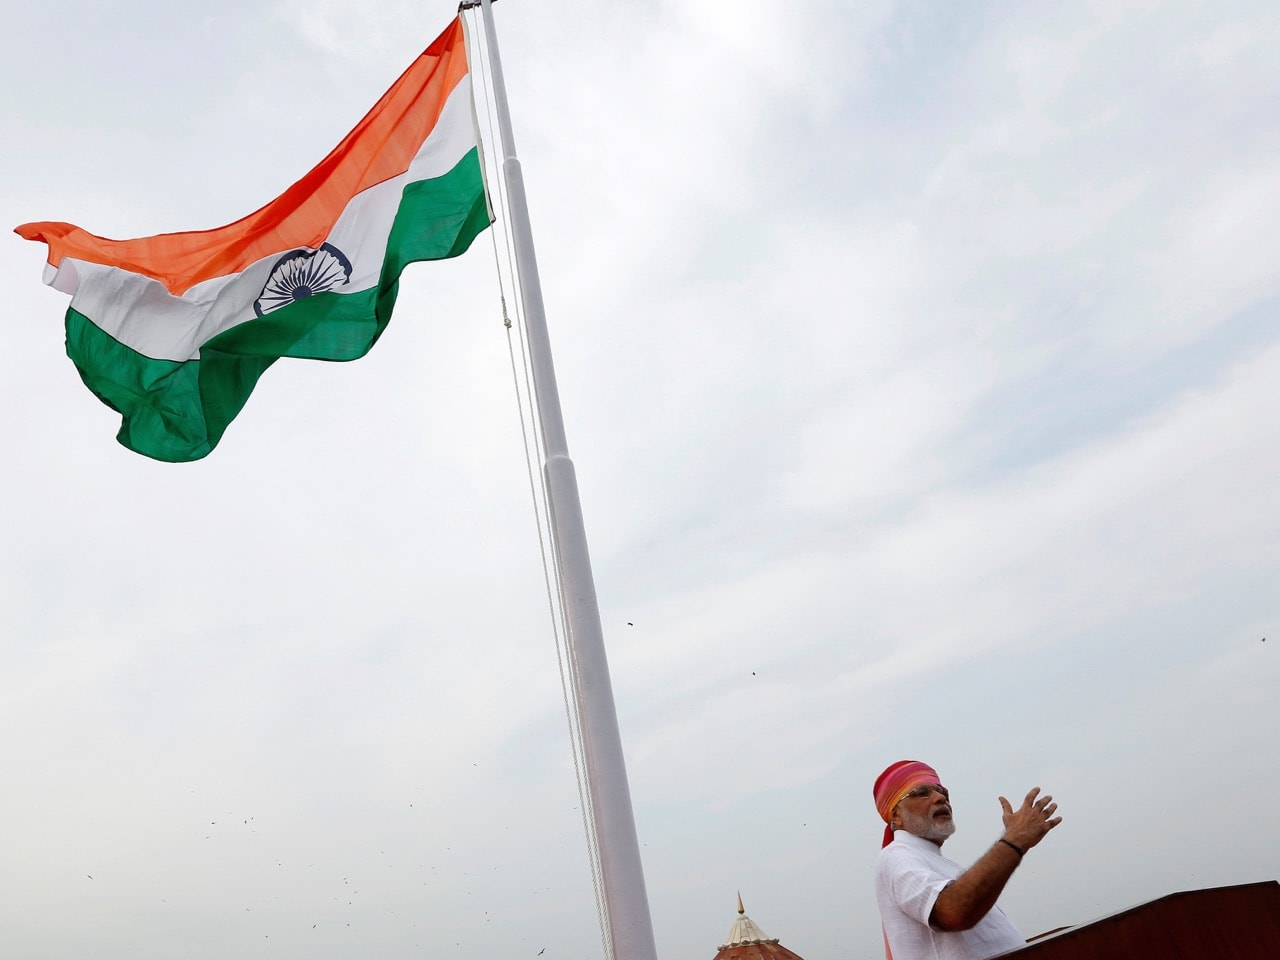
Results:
626 900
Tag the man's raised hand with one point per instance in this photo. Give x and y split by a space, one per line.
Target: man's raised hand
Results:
1026 826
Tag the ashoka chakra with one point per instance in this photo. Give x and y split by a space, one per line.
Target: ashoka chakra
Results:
302 274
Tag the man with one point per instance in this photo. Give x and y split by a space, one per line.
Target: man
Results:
930 907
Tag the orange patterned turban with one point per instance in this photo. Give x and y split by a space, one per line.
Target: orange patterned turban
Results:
892 785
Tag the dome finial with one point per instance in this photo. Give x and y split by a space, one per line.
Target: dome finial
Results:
741 910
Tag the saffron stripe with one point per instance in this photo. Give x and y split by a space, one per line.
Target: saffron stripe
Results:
381 147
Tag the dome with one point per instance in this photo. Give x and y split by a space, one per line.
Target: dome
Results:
748 942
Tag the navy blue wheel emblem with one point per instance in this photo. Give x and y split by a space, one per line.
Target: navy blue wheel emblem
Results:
302 274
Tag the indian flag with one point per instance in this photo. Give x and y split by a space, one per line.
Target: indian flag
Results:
173 331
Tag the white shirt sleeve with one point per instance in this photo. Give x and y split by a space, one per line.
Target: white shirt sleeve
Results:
913 887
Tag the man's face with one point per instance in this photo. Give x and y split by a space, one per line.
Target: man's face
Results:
925 812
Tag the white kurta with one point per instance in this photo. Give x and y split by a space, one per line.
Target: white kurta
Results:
910 874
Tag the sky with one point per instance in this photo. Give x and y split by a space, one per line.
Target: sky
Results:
919 363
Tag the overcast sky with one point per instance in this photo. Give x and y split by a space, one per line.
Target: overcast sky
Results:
920 364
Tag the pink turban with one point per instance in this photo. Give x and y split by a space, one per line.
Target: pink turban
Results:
892 785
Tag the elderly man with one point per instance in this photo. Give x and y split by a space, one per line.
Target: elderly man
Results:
930 907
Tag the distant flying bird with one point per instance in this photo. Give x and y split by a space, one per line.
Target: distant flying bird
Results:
544 949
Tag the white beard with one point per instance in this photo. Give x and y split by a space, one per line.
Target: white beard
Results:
927 828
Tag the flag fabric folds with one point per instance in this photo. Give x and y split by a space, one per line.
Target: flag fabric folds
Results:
173 331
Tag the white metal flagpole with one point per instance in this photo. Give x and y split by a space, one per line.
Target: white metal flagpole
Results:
626 900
